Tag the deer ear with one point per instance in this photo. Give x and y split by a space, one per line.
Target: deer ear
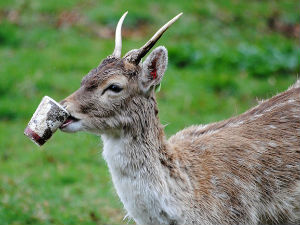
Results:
153 68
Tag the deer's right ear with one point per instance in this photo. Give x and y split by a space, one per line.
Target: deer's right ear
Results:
153 68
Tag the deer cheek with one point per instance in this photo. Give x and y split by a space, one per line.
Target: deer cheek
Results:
87 108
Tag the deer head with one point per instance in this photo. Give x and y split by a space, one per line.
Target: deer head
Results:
120 91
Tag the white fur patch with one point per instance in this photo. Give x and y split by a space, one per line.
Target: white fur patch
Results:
145 202
73 127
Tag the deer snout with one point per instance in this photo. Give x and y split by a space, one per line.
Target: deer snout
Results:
62 102
69 104
66 104
68 100
73 122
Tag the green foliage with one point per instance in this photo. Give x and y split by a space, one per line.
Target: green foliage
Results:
9 34
223 55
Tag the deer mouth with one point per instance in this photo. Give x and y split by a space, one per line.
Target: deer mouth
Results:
69 120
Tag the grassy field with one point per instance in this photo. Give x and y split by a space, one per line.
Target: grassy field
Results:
223 55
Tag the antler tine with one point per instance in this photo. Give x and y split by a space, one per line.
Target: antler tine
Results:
145 49
118 38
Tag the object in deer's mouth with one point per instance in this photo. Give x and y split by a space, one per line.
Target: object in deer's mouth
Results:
48 117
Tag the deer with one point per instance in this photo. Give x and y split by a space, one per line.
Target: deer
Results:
244 170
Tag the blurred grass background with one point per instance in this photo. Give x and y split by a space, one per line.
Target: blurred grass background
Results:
223 55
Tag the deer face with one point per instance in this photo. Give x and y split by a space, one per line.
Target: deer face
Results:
102 95
108 94
112 94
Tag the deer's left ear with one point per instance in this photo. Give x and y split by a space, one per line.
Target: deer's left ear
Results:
153 68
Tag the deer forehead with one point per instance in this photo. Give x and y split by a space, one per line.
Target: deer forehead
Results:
109 71
114 79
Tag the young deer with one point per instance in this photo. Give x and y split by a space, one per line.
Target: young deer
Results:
244 170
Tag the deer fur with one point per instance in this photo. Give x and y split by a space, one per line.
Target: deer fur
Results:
244 170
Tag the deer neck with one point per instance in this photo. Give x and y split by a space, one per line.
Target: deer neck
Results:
134 157
140 143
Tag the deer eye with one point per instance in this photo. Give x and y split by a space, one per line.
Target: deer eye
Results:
114 88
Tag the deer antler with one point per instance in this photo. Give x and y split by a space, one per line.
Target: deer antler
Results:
137 54
118 38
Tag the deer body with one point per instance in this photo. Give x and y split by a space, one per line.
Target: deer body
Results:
238 170
244 170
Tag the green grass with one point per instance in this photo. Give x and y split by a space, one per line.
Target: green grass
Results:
223 55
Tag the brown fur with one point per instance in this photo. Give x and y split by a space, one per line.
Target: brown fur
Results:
255 154
244 170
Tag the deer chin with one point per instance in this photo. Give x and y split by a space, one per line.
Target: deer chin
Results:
71 125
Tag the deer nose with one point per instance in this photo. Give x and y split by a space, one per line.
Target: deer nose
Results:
63 103
67 101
